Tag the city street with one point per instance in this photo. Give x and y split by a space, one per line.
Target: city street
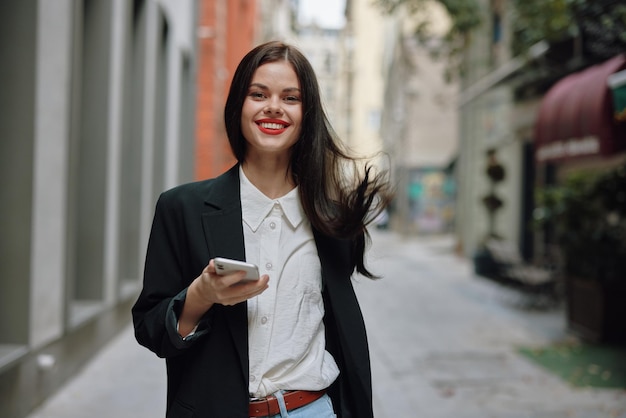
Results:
443 345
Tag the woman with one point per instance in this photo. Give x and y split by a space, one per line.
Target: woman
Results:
292 342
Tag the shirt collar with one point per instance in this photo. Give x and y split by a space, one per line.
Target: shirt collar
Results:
255 206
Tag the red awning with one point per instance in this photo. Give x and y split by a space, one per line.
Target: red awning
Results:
576 116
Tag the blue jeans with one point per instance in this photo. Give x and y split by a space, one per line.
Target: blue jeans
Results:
320 408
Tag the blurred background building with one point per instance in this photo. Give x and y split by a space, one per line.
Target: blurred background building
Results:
516 102
541 101
96 119
106 103
419 121
226 31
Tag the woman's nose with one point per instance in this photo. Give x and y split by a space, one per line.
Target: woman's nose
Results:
273 107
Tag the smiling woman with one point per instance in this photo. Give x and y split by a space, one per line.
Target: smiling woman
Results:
291 208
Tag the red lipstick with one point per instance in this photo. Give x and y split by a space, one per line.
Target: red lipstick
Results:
272 126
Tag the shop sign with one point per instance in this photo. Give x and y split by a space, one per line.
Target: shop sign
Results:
569 148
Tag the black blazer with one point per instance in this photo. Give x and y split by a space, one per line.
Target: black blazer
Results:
207 374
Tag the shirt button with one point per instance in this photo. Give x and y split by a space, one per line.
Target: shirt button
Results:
252 378
264 320
268 266
273 225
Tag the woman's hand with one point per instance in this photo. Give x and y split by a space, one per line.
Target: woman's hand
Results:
210 288
228 289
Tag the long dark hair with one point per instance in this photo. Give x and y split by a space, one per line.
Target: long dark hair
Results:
340 194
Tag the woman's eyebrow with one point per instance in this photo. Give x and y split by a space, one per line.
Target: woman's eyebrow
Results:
264 87
258 85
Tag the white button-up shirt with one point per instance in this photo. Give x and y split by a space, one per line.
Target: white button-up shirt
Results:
285 323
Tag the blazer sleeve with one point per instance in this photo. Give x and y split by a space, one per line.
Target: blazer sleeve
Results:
166 278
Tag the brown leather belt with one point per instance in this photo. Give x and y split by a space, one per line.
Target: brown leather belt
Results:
269 406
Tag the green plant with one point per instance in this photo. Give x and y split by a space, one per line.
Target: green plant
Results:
600 24
495 173
537 20
587 214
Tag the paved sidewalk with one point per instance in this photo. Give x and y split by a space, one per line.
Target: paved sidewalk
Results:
123 380
443 342
442 345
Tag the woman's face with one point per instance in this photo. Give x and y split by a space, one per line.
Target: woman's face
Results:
271 115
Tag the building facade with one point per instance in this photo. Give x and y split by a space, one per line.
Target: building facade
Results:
363 87
542 115
490 120
419 123
227 30
96 119
322 47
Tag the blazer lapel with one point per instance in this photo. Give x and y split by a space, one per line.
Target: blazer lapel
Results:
223 231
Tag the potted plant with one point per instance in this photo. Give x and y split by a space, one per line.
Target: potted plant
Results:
484 264
586 215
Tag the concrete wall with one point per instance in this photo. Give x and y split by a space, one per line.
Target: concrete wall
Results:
93 126
489 120
485 124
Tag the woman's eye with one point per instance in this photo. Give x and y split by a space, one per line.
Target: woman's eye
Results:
256 95
292 99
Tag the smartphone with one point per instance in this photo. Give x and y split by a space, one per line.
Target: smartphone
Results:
226 265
